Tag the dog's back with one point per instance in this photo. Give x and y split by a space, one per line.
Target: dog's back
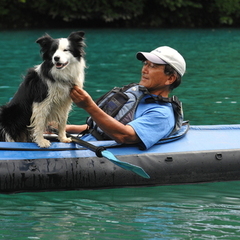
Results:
15 115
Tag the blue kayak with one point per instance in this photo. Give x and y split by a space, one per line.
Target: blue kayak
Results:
204 154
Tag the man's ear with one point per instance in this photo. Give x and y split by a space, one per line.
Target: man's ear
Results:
171 79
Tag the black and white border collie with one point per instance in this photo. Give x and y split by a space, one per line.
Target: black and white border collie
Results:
44 94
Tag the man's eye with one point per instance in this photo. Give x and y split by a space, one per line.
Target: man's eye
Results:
149 64
145 63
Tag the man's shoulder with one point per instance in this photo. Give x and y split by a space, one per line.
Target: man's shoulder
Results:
162 109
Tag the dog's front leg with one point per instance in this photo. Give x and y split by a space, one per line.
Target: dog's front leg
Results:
38 136
38 124
62 132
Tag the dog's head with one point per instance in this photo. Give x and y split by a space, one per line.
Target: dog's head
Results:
62 51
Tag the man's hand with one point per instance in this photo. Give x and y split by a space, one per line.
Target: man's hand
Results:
81 98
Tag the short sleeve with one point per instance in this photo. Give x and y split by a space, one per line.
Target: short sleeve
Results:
153 123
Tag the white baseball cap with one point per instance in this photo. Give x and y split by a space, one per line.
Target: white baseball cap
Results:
165 55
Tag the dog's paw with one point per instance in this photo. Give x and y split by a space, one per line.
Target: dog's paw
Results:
66 140
44 143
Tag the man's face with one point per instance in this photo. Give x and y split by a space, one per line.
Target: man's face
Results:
154 78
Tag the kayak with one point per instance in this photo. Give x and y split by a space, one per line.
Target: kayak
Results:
204 153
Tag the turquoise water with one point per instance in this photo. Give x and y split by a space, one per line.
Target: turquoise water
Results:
210 95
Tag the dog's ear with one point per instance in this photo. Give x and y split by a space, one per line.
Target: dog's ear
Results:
44 41
76 36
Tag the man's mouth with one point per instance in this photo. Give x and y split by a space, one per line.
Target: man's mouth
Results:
144 77
61 65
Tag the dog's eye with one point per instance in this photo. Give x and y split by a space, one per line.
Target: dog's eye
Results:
65 50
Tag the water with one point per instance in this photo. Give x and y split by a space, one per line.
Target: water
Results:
210 95
203 211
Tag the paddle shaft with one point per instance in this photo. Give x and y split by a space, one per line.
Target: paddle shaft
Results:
97 150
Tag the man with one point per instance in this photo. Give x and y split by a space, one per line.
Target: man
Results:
161 73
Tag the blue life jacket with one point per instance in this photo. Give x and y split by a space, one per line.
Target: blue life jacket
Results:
121 104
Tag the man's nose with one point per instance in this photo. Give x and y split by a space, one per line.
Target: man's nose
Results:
144 68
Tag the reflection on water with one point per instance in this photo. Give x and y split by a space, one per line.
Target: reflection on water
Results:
202 211
210 95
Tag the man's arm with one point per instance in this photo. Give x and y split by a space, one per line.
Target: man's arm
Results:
76 128
114 129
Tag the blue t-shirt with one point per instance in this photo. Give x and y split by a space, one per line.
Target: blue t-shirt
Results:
152 122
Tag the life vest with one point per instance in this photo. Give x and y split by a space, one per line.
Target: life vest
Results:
121 103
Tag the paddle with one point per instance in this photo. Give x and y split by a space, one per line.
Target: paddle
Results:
102 152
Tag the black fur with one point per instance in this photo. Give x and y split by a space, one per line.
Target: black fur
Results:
15 115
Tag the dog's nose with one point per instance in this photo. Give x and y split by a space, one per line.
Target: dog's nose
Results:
56 58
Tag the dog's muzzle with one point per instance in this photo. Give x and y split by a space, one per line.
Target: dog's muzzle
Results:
58 64
61 65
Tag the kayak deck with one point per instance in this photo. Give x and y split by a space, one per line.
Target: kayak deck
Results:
198 138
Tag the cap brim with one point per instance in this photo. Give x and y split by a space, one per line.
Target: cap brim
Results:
150 57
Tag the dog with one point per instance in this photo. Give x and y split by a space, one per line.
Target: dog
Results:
44 94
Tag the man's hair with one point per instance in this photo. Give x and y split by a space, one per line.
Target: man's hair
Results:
169 70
